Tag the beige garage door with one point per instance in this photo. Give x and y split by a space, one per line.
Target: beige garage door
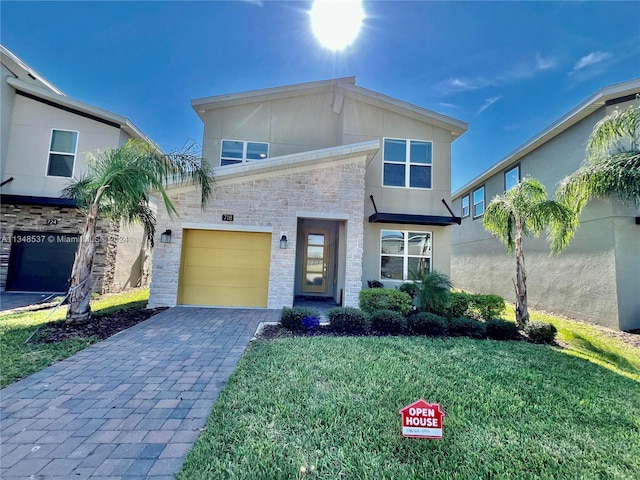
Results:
224 268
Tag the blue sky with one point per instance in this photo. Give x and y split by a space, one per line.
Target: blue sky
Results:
508 69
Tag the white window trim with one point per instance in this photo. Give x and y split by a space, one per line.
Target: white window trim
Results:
506 172
405 256
49 152
407 163
245 145
484 202
468 197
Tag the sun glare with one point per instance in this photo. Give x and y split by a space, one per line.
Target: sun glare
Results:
336 23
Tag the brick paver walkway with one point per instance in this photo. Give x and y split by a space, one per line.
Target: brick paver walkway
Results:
128 407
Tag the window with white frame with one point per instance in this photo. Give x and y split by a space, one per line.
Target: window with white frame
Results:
478 202
239 151
511 178
465 206
407 163
62 153
404 255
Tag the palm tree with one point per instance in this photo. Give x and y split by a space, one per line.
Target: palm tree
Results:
524 210
612 166
117 185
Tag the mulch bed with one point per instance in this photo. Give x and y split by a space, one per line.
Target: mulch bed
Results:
99 327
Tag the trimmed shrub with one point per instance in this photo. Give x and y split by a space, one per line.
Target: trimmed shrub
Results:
376 299
375 284
541 332
388 321
488 306
426 323
467 327
291 318
410 288
347 320
458 304
499 329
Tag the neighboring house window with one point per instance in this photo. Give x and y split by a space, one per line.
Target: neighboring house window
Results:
511 178
404 254
407 163
62 153
239 151
478 202
465 206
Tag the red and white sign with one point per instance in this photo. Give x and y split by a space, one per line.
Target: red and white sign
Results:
422 420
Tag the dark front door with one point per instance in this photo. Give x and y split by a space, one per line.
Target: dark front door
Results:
41 261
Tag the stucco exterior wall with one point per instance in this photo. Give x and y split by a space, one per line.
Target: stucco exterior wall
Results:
7 96
275 202
28 146
291 125
596 278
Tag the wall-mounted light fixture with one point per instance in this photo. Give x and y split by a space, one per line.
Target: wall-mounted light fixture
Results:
165 237
283 241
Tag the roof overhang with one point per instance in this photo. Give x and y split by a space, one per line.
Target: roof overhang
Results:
598 100
405 219
70 104
40 201
345 86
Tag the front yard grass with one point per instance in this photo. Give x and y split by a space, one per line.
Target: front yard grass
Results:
20 360
327 407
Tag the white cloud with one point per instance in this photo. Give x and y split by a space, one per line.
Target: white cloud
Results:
520 71
448 105
487 103
591 59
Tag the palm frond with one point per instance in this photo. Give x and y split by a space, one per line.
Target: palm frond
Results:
616 133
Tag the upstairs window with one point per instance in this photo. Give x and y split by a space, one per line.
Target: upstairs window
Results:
511 178
478 202
404 255
465 206
407 163
62 153
239 151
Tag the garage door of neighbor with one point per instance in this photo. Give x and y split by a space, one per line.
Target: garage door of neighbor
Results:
41 261
224 268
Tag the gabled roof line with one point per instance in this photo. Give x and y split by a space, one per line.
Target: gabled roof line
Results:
26 69
346 85
71 103
579 112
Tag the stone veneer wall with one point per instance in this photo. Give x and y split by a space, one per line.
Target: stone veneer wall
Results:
275 202
34 218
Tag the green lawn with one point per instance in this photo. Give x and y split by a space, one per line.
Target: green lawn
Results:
20 360
329 406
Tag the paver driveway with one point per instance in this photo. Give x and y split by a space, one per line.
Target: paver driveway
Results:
128 407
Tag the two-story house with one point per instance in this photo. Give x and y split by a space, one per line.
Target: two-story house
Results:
597 277
320 187
44 140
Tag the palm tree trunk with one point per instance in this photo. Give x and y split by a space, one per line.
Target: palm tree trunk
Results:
522 311
79 310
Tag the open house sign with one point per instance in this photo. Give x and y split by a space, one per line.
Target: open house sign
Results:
422 420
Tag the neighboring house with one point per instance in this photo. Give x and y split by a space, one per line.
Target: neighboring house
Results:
597 277
292 215
45 137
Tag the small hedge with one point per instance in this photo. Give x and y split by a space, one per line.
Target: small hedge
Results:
426 323
467 327
409 288
481 307
291 318
347 320
388 321
375 299
499 329
541 332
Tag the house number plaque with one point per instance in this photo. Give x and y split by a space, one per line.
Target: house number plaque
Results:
227 217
